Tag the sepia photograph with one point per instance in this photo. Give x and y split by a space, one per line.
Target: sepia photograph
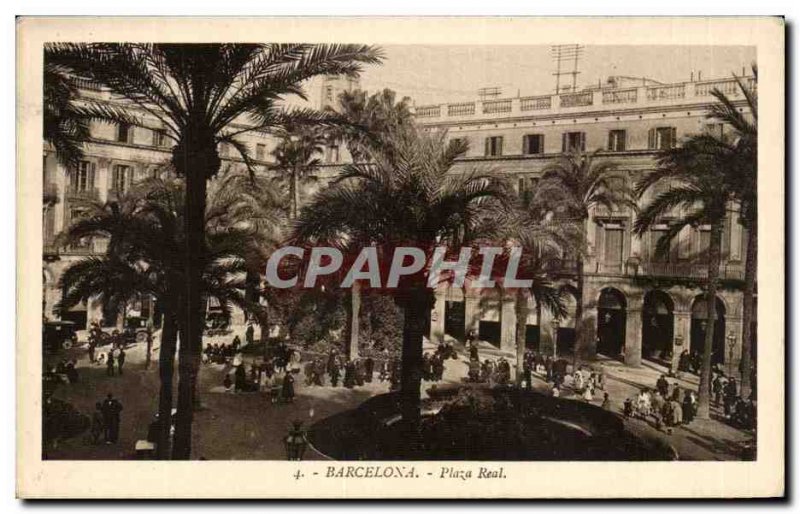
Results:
440 260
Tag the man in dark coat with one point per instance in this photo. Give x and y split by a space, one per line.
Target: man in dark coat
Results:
121 360
662 386
110 363
111 410
249 334
369 369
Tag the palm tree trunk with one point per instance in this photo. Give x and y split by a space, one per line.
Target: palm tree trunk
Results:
416 309
295 194
581 337
748 306
166 371
192 331
704 394
522 319
355 312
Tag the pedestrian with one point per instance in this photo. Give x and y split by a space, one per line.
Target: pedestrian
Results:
716 388
110 363
121 360
111 410
730 394
662 386
288 388
369 369
526 373
92 346
98 426
688 407
606 402
249 334
676 393
658 404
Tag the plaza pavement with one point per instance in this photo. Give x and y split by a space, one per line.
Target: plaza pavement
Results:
239 426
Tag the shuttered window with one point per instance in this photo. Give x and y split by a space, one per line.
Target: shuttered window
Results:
571 141
662 138
494 146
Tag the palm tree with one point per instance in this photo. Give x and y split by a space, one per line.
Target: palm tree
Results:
250 204
571 189
373 120
297 157
740 150
698 194
144 230
411 195
195 93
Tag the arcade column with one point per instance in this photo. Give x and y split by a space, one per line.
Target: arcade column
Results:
437 317
681 334
472 311
633 336
508 323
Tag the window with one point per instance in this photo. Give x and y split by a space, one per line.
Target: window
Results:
261 150
533 144
657 234
571 141
616 140
124 133
613 241
662 138
333 153
159 138
714 129
121 177
494 146
82 178
703 242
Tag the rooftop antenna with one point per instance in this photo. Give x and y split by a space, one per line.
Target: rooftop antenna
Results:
563 54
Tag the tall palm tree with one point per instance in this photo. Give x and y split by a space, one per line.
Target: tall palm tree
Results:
571 189
697 193
412 195
740 150
195 93
297 157
373 122
144 230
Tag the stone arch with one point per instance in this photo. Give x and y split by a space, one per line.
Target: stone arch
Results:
611 321
658 325
699 326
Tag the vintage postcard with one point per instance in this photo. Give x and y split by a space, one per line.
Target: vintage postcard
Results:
400 258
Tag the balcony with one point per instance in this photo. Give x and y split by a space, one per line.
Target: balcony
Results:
461 109
535 103
620 96
598 99
83 194
729 88
577 99
428 111
666 92
495 106
698 270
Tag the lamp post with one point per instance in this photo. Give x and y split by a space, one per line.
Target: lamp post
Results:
295 442
731 344
556 323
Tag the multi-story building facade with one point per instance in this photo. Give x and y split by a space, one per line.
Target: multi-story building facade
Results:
636 304
114 159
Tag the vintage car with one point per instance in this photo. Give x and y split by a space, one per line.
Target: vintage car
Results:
59 335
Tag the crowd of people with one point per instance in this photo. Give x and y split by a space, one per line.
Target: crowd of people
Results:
738 411
667 405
